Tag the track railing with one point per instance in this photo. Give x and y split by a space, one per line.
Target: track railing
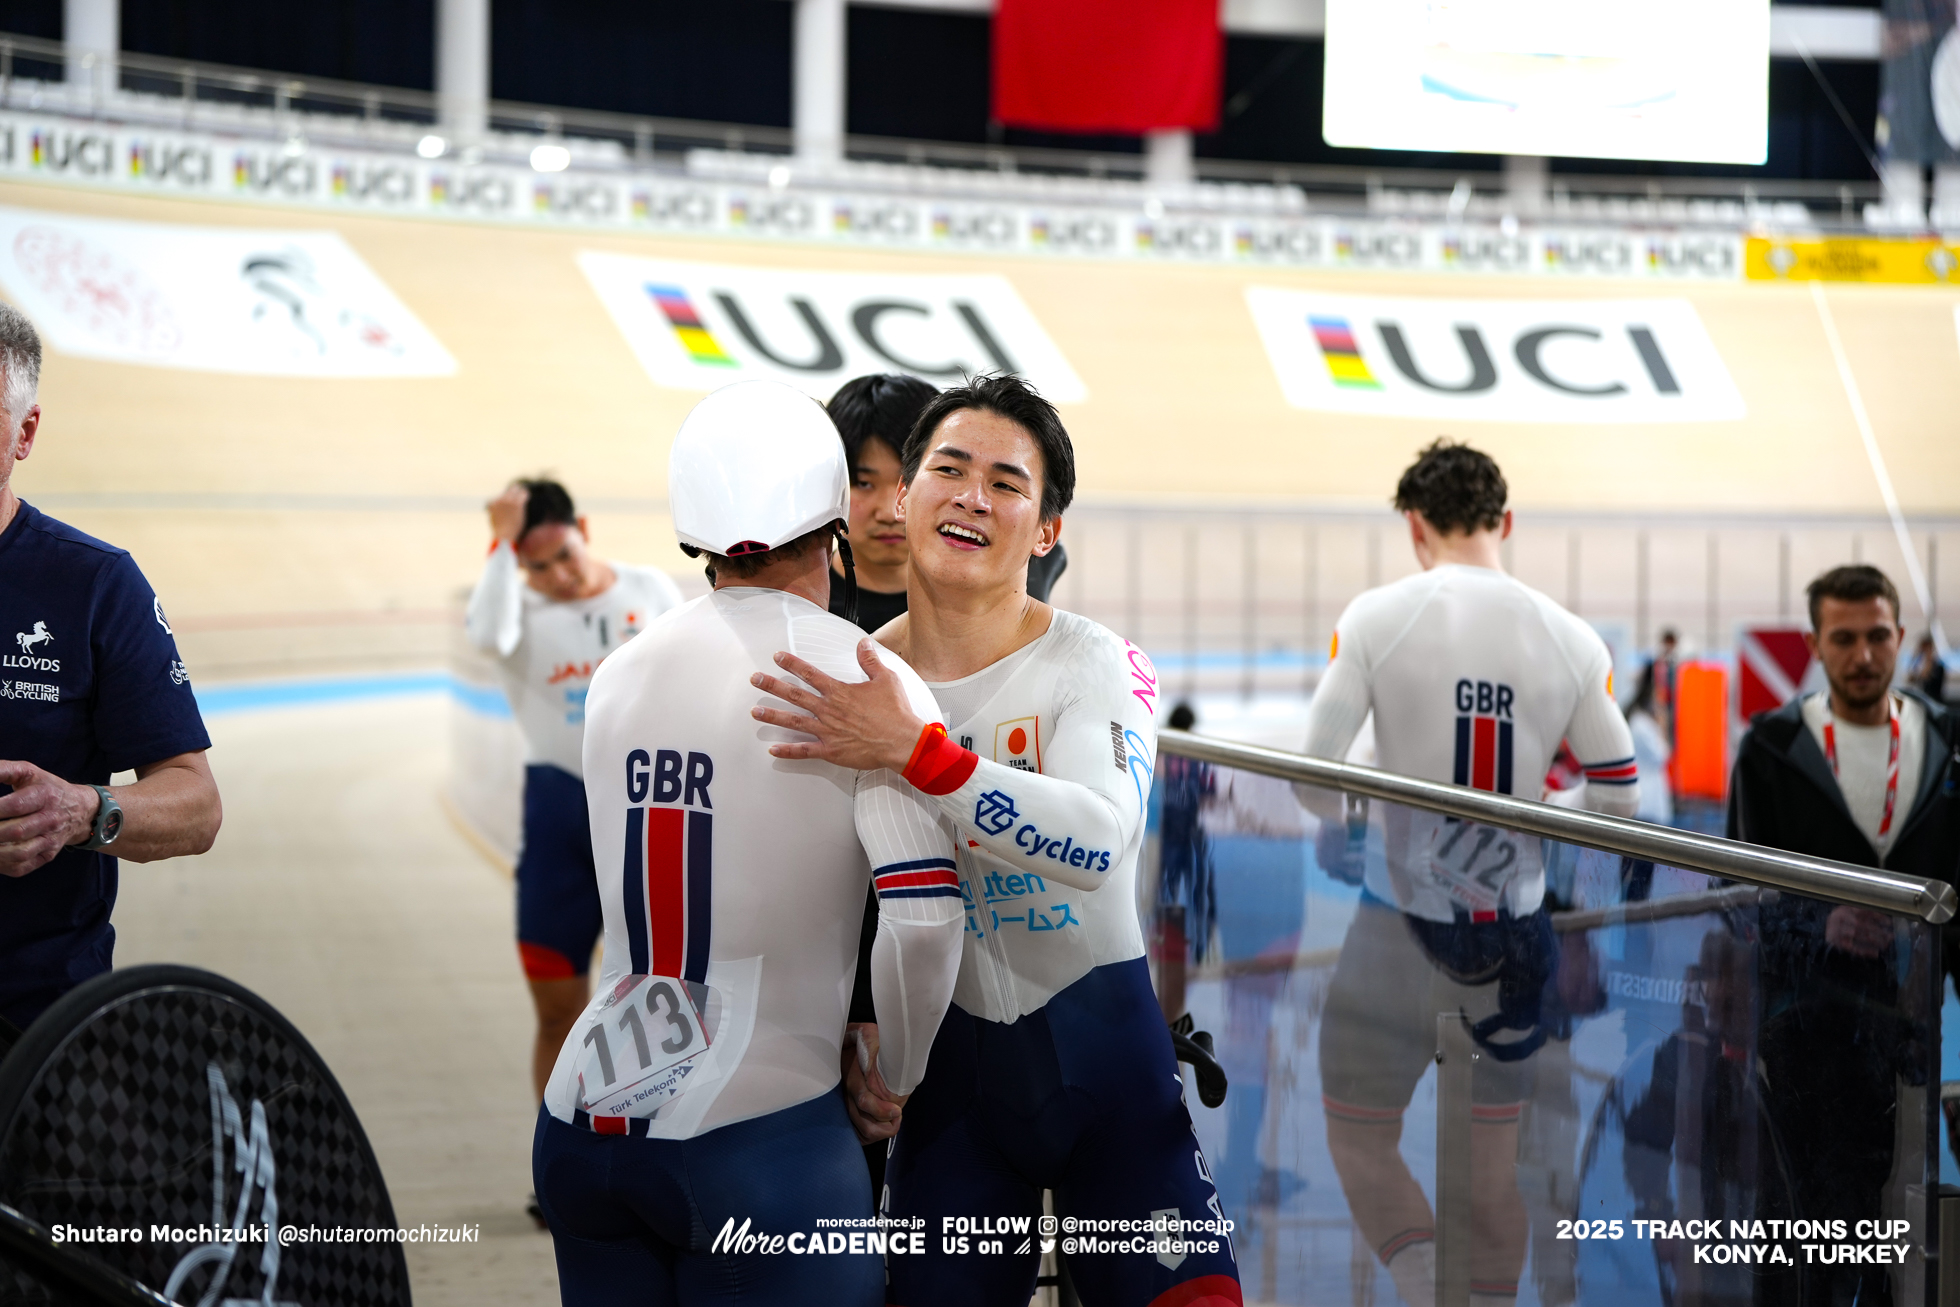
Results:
1931 901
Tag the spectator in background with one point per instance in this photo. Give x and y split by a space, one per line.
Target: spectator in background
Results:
90 685
550 610
1187 892
1654 695
1863 774
1928 670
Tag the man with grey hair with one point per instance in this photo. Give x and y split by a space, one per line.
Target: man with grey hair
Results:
90 685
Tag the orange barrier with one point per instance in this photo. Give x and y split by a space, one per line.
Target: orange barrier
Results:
1700 765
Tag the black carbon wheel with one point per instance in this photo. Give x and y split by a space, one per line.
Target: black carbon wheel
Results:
164 1095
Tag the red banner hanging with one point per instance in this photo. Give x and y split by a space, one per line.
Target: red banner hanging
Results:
1121 66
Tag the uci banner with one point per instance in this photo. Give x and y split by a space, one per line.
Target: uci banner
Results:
699 326
179 160
1586 361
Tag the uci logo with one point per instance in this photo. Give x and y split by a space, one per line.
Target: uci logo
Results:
1291 244
188 165
674 208
1498 359
1529 350
1691 257
994 812
481 192
1391 249
889 221
1192 239
268 173
699 325
83 152
991 228
1073 232
790 213
869 323
1486 250
594 201
1597 254
378 183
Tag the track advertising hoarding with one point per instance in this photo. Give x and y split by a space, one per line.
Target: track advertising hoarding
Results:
213 299
1591 361
697 326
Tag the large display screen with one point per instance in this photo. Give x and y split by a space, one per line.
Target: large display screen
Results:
1606 79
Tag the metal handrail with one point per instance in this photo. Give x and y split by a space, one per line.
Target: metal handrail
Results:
1839 882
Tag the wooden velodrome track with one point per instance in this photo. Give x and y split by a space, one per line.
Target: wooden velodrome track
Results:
307 525
249 498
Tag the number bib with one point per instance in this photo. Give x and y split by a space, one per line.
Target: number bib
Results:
1474 864
644 1045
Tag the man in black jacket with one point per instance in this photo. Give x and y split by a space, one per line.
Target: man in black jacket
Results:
1863 774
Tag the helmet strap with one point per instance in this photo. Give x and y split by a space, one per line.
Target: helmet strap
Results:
841 534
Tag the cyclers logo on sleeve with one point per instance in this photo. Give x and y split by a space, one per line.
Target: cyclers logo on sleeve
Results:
995 812
1064 850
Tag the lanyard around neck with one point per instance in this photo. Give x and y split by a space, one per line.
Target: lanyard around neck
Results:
1891 761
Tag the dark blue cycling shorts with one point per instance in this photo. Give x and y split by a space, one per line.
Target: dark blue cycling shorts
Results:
1082 1097
635 1220
558 913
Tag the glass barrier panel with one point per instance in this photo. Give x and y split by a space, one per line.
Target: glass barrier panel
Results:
1464 1060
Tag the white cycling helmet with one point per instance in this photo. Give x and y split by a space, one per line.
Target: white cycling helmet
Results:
755 465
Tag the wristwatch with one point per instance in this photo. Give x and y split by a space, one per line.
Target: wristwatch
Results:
108 820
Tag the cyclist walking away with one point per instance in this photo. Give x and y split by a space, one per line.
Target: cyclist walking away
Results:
1473 678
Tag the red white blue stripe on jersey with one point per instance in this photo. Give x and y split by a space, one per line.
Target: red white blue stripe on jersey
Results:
1483 753
669 891
1621 771
926 878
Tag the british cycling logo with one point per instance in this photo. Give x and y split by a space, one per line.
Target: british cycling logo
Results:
995 812
179 673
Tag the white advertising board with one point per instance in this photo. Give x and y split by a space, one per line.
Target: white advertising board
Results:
699 326
1571 361
1603 79
85 153
214 299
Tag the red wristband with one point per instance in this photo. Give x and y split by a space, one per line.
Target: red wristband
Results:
939 766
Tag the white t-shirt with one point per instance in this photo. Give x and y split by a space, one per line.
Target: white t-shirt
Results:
1051 820
1473 678
547 651
1863 752
721 866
